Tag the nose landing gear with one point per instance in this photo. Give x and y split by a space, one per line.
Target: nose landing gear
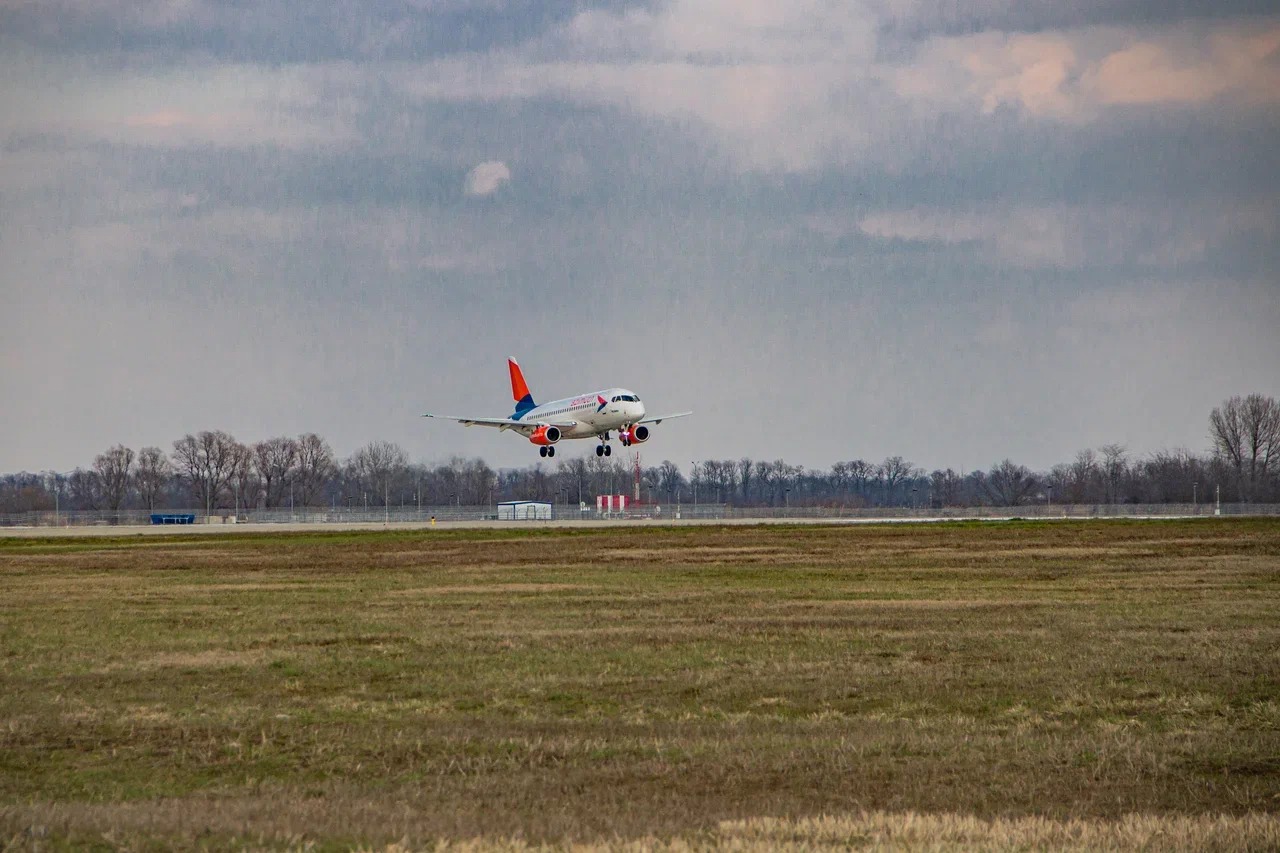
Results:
546 451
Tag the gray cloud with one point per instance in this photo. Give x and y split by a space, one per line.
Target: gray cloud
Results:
958 243
279 31
916 19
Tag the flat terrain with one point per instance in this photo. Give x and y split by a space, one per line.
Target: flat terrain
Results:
1085 684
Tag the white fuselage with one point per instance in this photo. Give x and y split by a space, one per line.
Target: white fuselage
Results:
591 414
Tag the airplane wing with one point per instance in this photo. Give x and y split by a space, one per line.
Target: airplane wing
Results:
501 423
657 419
506 423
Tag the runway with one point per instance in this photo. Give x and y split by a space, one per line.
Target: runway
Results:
260 529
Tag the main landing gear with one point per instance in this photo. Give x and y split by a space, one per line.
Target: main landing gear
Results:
547 451
604 450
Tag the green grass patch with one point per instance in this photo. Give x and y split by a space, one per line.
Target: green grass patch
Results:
633 683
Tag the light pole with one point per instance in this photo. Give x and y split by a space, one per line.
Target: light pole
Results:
695 482
914 489
57 496
786 498
1194 489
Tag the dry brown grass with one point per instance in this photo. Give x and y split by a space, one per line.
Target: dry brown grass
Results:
293 823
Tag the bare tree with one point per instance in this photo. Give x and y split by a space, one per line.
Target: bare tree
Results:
244 483
114 469
574 478
608 475
474 480
1246 435
152 475
26 492
274 460
85 488
1170 476
1115 465
1084 478
375 465
728 479
946 486
651 483
745 480
672 481
207 462
861 473
1058 482
763 476
1009 484
893 471
314 468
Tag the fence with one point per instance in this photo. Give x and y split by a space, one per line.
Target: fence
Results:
699 512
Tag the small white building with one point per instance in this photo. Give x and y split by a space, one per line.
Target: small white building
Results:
524 510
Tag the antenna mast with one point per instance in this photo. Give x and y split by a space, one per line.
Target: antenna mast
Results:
636 485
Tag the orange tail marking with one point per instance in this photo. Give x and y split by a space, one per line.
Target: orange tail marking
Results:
519 390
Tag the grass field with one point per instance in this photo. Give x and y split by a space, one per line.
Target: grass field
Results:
1015 685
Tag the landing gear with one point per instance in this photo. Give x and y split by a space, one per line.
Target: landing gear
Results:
546 451
604 450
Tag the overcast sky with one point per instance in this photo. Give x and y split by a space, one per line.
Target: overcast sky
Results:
952 231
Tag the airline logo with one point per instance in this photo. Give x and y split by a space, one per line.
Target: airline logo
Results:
603 402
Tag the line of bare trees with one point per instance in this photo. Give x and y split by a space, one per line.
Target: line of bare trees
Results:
212 471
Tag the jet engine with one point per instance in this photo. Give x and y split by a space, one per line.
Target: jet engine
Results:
637 434
545 435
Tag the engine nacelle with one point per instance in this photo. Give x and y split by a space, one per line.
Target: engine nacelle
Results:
545 435
639 434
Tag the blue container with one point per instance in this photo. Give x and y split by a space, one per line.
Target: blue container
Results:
173 518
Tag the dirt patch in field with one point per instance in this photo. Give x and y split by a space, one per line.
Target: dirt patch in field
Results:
247 586
468 589
1066 552
912 603
206 659
700 553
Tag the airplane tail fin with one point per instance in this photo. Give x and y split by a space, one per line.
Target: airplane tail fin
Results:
519 390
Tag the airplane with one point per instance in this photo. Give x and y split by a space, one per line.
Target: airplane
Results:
593 415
